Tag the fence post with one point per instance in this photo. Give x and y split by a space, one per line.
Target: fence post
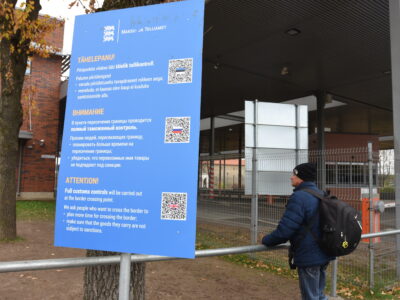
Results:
124 276
371 217
334 278
254 187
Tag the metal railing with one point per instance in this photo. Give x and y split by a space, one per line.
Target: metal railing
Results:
125 260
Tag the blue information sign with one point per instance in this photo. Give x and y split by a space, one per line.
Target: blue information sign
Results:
128 174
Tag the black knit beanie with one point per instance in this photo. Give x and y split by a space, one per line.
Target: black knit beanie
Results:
306 171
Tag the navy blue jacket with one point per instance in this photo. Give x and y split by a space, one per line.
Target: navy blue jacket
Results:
300 209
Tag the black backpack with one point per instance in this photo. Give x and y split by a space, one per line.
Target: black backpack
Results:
339 224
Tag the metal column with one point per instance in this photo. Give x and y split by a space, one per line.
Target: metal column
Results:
254 177
240 157
321 99
297 159
211 150
394 10
371 217
212 136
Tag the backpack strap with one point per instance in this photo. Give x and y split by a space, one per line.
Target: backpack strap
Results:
314 193
308 225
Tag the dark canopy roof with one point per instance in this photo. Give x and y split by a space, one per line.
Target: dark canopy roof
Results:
342 47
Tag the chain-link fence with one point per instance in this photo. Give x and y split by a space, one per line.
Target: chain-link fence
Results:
353 175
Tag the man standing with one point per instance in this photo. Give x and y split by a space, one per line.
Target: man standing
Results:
302 212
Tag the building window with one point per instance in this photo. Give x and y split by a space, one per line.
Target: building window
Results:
357 174
331 174
349 173
343 172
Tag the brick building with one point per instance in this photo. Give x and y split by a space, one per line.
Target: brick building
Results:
39 132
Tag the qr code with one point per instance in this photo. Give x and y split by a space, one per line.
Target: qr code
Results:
180 70
177 130
173 206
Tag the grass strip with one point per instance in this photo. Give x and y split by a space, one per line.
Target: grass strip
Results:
33 210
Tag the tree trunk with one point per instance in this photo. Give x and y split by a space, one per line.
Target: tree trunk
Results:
14 49
101 282
12 70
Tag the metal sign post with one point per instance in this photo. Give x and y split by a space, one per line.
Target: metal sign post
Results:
124 276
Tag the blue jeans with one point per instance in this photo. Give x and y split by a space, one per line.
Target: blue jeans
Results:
312 282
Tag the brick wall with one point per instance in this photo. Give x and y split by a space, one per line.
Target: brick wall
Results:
345 140
40 101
